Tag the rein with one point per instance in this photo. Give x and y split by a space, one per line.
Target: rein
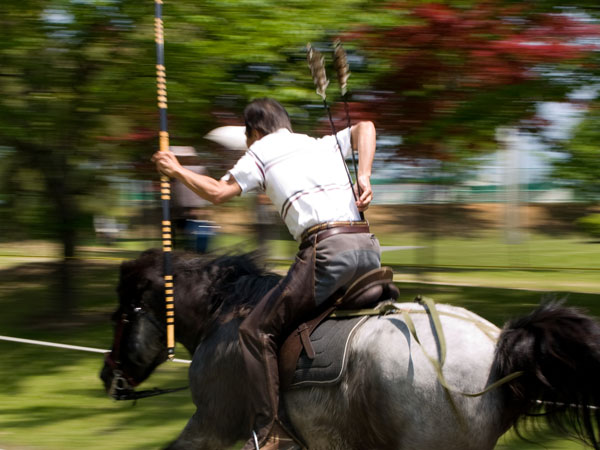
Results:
430 309
135 395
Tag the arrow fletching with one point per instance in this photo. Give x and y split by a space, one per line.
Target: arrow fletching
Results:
340 62
316 62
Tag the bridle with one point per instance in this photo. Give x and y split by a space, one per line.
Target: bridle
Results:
123 384
121 380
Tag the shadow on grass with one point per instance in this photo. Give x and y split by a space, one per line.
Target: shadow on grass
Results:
57 390
22 361
28 292
123 425
557 220
139 416
25 298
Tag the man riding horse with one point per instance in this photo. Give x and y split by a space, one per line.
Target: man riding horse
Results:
306 179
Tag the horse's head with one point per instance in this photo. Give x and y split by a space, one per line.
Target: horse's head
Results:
208 292
139 343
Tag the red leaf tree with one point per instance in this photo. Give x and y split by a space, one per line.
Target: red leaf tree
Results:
455 74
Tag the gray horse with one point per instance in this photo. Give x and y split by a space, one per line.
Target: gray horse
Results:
391 395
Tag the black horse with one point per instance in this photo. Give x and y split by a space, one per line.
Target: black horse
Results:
390 396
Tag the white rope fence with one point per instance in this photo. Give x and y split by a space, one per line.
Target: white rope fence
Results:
70 347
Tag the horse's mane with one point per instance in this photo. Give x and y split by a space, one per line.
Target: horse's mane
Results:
228 284
237 281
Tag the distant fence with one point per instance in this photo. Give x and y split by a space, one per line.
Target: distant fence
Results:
398 194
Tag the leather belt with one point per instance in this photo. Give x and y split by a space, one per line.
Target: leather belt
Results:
324 230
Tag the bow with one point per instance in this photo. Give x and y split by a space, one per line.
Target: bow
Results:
165 185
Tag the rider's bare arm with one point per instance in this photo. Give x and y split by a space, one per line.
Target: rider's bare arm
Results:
215 191
364 139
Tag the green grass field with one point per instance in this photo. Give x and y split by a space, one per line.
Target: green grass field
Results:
52 399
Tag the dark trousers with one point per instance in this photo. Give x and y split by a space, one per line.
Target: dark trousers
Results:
285 307
340 259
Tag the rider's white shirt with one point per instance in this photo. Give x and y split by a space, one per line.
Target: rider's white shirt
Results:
304 177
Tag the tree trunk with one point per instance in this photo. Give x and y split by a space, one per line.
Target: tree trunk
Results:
65 299
66 211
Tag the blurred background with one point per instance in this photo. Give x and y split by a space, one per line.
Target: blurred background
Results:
486 179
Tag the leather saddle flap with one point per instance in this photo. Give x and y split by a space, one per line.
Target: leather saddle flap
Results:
318 358
294 344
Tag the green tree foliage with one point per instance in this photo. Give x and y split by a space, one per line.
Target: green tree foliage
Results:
581 167
78 93
56 102
60 67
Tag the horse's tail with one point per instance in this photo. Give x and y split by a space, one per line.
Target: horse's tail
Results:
558 350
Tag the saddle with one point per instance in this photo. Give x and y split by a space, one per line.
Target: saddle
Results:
367 291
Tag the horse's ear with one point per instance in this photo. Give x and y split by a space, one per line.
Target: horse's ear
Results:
127 267
146 268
